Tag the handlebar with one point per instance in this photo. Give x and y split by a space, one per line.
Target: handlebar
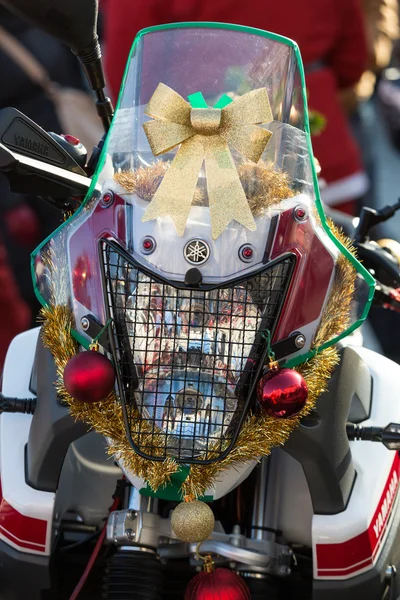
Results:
387 297
379 259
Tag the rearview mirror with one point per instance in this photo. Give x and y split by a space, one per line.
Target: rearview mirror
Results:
73 22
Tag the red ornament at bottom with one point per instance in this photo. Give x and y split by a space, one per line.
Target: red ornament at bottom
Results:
282 393
89 376
220 584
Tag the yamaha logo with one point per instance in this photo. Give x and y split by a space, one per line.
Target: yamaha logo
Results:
32 145
386 505
196 252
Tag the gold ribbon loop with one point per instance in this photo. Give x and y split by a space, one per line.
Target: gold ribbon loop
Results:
163 136
252 107
203 135
167 104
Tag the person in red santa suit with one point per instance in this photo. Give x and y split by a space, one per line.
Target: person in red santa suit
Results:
331 37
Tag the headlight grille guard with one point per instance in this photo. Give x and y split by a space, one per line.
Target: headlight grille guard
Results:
188 360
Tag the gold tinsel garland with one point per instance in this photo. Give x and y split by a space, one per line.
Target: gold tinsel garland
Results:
259 434
263 185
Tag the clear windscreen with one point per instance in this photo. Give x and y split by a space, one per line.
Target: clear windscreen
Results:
209 68
207 167
208 139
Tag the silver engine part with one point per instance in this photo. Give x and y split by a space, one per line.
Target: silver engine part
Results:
140 528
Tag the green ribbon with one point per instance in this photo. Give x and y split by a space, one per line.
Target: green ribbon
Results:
197 101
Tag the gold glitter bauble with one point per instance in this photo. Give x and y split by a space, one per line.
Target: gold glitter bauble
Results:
192 521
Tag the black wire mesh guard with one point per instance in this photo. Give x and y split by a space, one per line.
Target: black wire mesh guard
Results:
187 357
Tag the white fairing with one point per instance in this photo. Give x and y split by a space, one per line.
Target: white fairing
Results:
295 499
227 481
14 432
338 541
360 530
28 517
224 262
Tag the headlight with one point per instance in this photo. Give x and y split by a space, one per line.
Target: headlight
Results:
186 357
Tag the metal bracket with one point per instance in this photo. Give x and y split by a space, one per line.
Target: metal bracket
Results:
289 345
92 327
135 527
139 528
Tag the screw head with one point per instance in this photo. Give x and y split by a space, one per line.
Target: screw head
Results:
284 571
130 534
300 341
107 199
390 573
148 245
85 323
246 253
132 514
300 214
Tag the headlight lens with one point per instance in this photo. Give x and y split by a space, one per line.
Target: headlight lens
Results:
187 356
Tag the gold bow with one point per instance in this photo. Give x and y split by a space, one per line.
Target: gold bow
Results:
204 134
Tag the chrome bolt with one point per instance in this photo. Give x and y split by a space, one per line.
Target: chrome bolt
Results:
85 323
300 214
284 571
147 245
246 253
132 514
300 341
107 199
130 534
390 573
162 540
236 530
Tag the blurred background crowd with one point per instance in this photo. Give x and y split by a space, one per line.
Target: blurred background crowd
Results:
351 53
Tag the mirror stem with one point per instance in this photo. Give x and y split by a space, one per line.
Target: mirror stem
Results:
104 109
90 59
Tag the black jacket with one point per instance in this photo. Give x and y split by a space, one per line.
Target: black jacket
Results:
17 90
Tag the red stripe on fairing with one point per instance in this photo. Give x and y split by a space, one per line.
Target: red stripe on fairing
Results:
26 532
21 544
360 551
348 571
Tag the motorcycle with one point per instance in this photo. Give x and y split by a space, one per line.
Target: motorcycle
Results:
196 408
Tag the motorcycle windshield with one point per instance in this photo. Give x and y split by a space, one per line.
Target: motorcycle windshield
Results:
208 136
202 235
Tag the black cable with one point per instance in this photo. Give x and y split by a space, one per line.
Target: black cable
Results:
120 488
88 538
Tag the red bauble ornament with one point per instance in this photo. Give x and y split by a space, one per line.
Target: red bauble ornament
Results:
89 376
220 584
282 393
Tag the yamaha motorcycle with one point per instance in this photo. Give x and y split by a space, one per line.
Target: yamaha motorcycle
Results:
197 410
